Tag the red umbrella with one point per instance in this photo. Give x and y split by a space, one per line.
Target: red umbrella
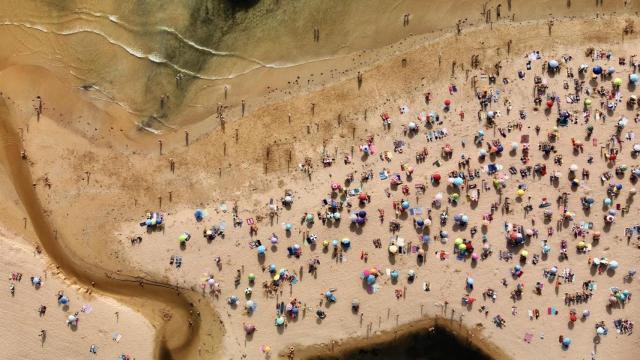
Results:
549 103
362 196
436 177
447 102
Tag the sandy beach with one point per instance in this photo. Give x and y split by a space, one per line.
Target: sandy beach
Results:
464 174
114 329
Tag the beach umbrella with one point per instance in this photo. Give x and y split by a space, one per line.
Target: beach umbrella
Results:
393 249
458 241
355 303
272 268
549 103
553 64
611 70
587 102
458 181
288 227
586 313
336 215
474 256
362 214
438 197
581 245
362 196
63 300
520 192
634 78
607 201
447 102
371 279
444 234
491 114
600 330
411 273
274 239
412 126
250 305
261 249
597 69
566 341
420 222
288 199
279 321
573 167
426 238
36 280
455 196
405 204
183 238
613 265
232 300
252 277
462 247
71 319
437 177
249 329
199 214
309 217
470 281
394 275
524 253
483 152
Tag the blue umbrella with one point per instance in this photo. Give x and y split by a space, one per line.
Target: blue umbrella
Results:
420 222
394 275
261 249
371 279
425 238
597 69
405 204
458 181
198 214
611 70
633 78
566 341
63 300
362 214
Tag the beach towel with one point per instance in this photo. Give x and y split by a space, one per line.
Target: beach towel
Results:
383 175
530 313
416 211
86 308
116 337
528 337
250 221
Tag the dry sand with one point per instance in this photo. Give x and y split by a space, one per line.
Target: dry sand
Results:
98 324
104 175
